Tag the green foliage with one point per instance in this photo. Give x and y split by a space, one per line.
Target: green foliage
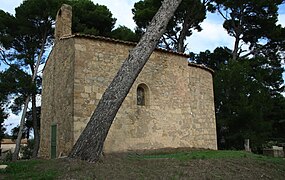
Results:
187 17
215 60
242 104
278 116
247 97
29 117
249 21
7 22
27 32
90 18
25 37
28 126
27 151
125 34
16 82
8 156
3 116
31 29
247 91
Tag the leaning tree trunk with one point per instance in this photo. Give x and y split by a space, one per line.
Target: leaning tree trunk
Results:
90 143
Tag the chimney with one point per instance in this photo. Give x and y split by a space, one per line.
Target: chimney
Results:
63 22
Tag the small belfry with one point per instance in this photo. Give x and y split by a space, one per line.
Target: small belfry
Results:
63 22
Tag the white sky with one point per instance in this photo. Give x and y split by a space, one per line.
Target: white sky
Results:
212 36
213 33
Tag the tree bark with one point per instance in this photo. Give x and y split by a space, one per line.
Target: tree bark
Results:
182 36
90 143
15 154
236 47
35 127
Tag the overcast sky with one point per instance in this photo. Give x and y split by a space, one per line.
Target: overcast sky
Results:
212 36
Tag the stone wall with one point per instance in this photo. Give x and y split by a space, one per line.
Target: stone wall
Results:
180 106
179 109
57 99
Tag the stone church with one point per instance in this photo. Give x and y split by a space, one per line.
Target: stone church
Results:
170 105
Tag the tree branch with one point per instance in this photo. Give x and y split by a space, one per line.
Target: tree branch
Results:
21 128
165 42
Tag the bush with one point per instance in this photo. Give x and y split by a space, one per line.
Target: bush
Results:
8 156
27 151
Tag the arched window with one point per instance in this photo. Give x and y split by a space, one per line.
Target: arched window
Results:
142 95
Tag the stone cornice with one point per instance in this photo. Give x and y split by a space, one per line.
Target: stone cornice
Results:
119 41
201 66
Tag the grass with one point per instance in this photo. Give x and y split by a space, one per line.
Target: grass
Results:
208 154
30 169
150 165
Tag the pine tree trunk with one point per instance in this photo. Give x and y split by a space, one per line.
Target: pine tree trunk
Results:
236 47
90 143
22 122
181 40
15 154
182 36
35 127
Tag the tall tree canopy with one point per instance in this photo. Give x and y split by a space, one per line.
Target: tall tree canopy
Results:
25 38
13 83
90 18
124 33
248 98
188 17
243 101
248 21
248 82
